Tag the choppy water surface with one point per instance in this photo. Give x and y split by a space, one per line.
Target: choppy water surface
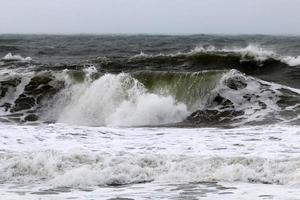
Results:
149 117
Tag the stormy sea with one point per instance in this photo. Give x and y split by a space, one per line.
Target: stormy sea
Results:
132 117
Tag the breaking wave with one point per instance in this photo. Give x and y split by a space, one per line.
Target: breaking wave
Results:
146 98
80 170
118 100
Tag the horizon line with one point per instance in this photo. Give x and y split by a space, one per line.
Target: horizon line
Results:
151 34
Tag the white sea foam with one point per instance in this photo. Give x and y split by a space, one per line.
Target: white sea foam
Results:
253 109
58 155
118 100
91 169
90 70
11 57
291 60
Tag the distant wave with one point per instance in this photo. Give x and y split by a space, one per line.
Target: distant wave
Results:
11 57
252 51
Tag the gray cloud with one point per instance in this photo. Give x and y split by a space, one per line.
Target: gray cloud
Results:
150 16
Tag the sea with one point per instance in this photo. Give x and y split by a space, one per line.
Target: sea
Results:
149 117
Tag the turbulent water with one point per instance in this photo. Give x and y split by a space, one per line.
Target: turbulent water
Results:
149 117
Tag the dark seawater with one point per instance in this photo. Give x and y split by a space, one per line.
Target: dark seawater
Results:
197 80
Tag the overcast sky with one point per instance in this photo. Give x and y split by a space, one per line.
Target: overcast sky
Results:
151 16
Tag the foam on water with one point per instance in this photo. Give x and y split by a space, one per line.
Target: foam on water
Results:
11 57
292 60
82 169
119 100
61 156
261 103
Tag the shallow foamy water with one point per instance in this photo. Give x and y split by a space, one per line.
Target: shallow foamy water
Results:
59 161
